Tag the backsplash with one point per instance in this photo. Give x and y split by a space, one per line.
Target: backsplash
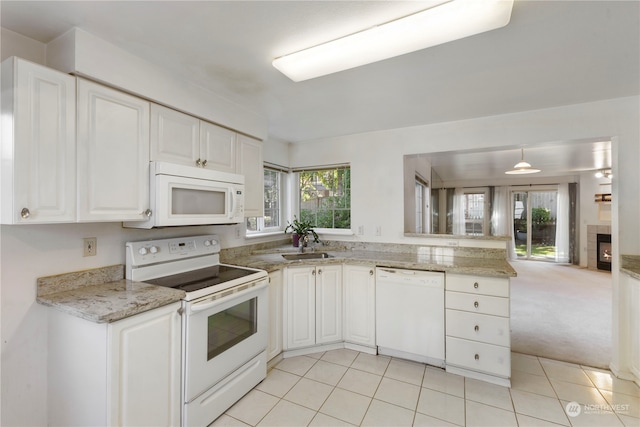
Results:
284 245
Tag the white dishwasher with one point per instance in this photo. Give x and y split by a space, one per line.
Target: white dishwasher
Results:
410 314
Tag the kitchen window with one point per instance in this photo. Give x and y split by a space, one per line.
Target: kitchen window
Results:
475 213
274 179
324 196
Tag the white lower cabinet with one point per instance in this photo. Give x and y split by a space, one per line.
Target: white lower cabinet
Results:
634 326
125 373
274 344
313 306
477 326
359 316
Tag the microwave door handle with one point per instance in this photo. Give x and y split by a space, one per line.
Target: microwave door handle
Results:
231 203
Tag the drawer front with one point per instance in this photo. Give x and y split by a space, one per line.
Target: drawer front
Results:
497 306
478 327
496 286
487 358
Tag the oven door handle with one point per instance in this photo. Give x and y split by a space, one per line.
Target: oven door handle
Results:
204 305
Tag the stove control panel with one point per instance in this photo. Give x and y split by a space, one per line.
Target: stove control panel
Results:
166 250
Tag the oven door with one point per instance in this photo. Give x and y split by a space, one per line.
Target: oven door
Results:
222 334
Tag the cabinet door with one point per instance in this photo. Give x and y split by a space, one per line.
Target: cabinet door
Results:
328 304
249 164
300 313
359 286
174 136
145 368
38 144
217 147
113 154
274 345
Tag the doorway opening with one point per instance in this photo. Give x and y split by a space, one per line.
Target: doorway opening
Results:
534 224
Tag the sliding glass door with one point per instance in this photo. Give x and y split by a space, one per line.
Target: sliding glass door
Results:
534 224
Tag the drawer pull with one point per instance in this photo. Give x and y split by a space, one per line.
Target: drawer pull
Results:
477 356
475 285
477 328
475 304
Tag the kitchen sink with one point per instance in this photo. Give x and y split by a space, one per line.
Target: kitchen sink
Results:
309 255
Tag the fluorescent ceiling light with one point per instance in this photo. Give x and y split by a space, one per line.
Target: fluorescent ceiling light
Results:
450 21
522 167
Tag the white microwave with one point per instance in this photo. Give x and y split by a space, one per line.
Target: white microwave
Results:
186 195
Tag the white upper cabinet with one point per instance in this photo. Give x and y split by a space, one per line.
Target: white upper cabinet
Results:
38 144
113 154
218 147
174 136
249 164
180 138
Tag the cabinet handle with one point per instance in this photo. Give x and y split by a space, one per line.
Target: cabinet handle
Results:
24 213
475 304
198 162
477 328
319 271
475 285
147 213
204 163
477 357
313 273
370 272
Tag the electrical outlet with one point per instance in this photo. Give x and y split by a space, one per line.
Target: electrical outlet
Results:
237 232
360 230
90 246
378 231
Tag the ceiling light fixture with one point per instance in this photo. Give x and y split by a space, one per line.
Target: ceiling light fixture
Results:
450 21
604 173
522 167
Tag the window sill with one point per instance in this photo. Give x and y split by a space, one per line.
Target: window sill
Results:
265 234
335 231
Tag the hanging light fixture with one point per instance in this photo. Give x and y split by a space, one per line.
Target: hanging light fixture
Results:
522 167
604 173
452 20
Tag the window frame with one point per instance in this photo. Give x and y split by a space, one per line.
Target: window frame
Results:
261 230
486 214
295 199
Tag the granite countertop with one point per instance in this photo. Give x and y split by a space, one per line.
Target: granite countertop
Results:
432 259
630 264
101 295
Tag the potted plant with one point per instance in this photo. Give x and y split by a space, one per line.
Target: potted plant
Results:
300 229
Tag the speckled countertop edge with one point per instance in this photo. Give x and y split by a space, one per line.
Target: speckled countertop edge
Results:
434 261
101 295
630 264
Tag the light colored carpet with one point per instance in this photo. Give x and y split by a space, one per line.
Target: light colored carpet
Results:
561 312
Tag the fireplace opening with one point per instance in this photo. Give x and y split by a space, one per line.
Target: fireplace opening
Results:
604 252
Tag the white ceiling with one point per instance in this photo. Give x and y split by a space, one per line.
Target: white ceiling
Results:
551 53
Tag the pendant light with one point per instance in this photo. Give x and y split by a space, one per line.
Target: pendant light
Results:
522 167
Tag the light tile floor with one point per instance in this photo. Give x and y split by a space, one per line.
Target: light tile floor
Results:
348 388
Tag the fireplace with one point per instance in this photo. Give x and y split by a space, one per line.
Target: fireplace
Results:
604 251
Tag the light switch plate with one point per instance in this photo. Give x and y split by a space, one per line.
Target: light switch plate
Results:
90 247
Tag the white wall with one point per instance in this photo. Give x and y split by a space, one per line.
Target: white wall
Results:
376 160
589 186
28 252
14 44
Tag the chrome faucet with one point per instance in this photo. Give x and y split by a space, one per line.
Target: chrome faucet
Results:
304 240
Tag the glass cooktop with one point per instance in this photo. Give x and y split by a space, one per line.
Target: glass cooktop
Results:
203 278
